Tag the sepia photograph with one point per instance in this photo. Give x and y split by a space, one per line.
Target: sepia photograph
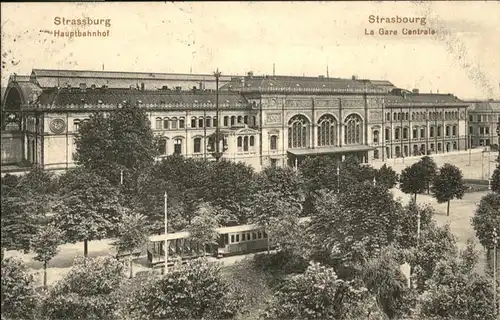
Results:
250 160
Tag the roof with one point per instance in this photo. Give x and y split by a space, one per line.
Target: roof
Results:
485 106
221 230
292 83
49 78
401 96
19 78
76 98
329 150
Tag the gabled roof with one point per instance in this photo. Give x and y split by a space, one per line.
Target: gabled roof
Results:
485 106
160 98
422 97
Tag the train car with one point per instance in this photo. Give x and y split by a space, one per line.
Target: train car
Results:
232 241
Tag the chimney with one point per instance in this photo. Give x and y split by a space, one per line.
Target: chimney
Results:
354 77
250 74
83 87
415 91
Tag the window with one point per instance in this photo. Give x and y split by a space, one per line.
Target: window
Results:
375 136
254 236
197 145
375 154
432 146
414 133
158 123
439 129
439 146
243 237
447 129
413 116
259 234
387 134
487 130
388 117
208 122
422 132
182 123
274 143
245 143
298 134
240 119
233 120
398 151
406 116
240 142
478 118
232 238
481 130
254 120
394 116
471 130
162 147
165 123
173 123
193 122
432 132
397 133
200 123
237 238
215 124
327 129
76 125
455 145
177 146
245 119
353 129
226 121
454 130
405 133
252 141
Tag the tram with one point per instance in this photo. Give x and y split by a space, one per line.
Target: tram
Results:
232 241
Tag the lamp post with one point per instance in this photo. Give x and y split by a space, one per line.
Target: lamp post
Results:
166 232
217 154
338 179
121 177
495 289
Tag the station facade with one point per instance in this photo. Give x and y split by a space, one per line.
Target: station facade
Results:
266 120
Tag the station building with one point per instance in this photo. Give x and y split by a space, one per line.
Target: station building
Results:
266 120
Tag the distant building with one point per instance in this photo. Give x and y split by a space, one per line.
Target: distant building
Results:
484 117
266 120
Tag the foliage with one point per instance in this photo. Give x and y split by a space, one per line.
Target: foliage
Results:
287 233
430 170
89 208
318 293
133 231
407 235
486 219
202 231
386 177
383 278
495 178
88 291
123 140
413 179
45 245
456 292
278 265
448 184
436 243
196 290
18 291
356 225
284 182
319 173
351 170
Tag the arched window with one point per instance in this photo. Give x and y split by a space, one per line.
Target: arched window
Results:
353 129
173 123
226 121
158 123
405 133
406 116
398 151
215 122
165 123
240 142
208 122
252 141
397 133
394 117
254 120
197 145
240 119
375 136
447 129
388 117
177 146
375 154
245 143
245 119
193 122
454 130
387 134
399 115
76 125
327 131
298 132
274 143
413 116
182 123
162 150
233 120
200 122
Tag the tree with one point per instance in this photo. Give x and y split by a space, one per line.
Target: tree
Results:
202 231
408 225
429 172
386 177
88 291
45 246
123 140
448 184
357 224
318 293
457 292
89 208
133 233
196 290
284 181
495 179
413 179
486 219
18 291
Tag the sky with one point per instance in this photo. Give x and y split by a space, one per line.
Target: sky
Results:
462 58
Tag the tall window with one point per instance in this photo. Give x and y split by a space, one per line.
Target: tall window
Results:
240 119
454 131
375 137
397 133
245 143
233 120
447 129
405 133
422 132
327 131
274 142
177 146
387 134
76 125
162 147
173 123
214 121
298 132
193 122
197 145
414 132
254 120
182 123
208 122
432 132
226 121
252 141
200 123
245 119
165 123
158 123
439 131
353 129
